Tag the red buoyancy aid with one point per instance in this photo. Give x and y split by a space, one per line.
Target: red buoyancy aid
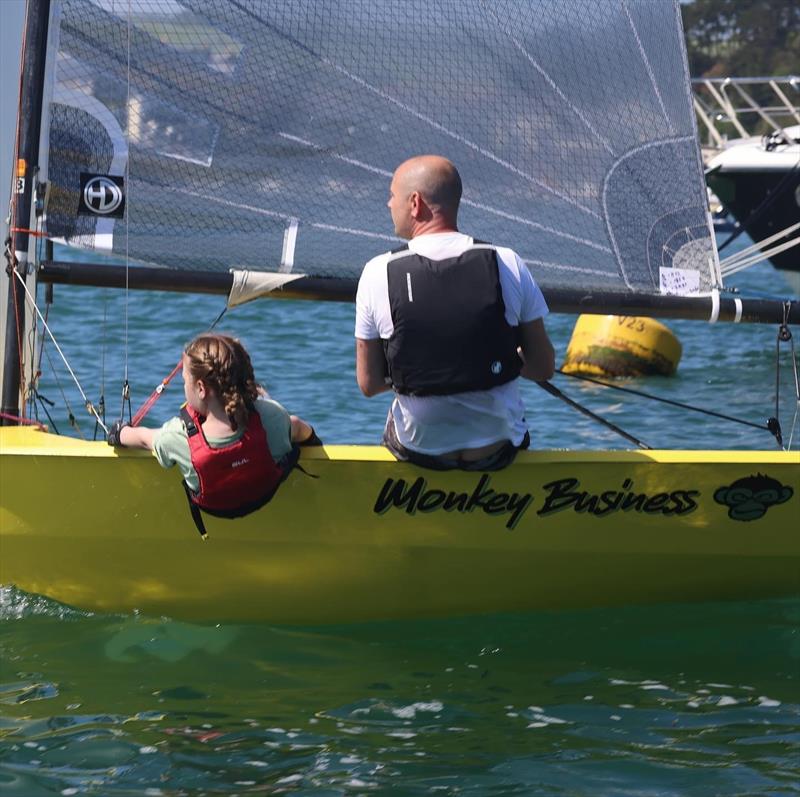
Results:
235 479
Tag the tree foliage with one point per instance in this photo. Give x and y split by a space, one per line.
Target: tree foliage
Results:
742 38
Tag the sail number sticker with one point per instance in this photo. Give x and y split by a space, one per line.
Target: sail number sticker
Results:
102 195
678 281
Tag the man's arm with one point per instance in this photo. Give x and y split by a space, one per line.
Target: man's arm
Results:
371 367
536 350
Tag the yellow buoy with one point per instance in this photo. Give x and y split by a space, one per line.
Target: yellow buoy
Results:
621 345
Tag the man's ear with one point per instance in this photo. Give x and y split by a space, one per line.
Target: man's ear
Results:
417 204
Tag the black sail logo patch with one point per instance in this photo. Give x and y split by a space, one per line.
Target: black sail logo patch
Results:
102 195
751 497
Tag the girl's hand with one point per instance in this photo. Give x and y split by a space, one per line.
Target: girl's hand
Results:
115 433
122 434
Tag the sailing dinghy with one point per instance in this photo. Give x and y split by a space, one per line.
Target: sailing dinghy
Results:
246 148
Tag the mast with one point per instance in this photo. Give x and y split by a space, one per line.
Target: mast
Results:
560 300
25 170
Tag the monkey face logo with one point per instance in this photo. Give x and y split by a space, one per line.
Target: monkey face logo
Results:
751 497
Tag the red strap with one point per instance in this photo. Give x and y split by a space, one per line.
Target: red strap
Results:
33 233
23 421
155 396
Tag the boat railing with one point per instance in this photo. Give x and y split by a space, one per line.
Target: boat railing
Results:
734 107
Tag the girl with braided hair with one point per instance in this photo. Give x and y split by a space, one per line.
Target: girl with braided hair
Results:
232 444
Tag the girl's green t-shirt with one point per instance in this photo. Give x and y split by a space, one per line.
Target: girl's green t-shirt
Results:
171 443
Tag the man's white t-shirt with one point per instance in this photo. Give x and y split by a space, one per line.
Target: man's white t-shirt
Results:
439 424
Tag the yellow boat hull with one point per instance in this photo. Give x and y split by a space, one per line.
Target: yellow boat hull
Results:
371 538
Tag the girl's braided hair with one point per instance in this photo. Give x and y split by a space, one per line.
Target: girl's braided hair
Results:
224 366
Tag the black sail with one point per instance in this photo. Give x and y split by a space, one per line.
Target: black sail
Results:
262 135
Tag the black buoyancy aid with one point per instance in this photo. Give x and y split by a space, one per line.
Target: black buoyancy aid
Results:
450 330
235 479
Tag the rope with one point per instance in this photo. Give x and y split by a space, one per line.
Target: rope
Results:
673 403
43 401
554 391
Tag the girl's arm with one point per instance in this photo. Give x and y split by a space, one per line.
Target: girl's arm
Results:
303 433
137 437
301 430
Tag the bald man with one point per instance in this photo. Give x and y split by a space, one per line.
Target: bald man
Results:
450 324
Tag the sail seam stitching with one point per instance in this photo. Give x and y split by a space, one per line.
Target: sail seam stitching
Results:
464 201
616 163
648 67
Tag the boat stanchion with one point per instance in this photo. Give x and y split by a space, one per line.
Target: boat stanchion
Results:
621 346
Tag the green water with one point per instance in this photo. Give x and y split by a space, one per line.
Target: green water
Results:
668 700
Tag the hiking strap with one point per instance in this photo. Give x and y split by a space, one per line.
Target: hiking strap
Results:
194 509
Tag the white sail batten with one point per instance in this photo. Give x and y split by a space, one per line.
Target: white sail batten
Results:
266 133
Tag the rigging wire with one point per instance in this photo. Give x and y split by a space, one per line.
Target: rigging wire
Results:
742 263
11 258
10 244
732 260
156 394
73 421
784 336
794 425
126 388
88 404
35 394
765 204
36 362
101 402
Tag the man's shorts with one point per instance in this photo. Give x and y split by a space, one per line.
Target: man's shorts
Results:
500 459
